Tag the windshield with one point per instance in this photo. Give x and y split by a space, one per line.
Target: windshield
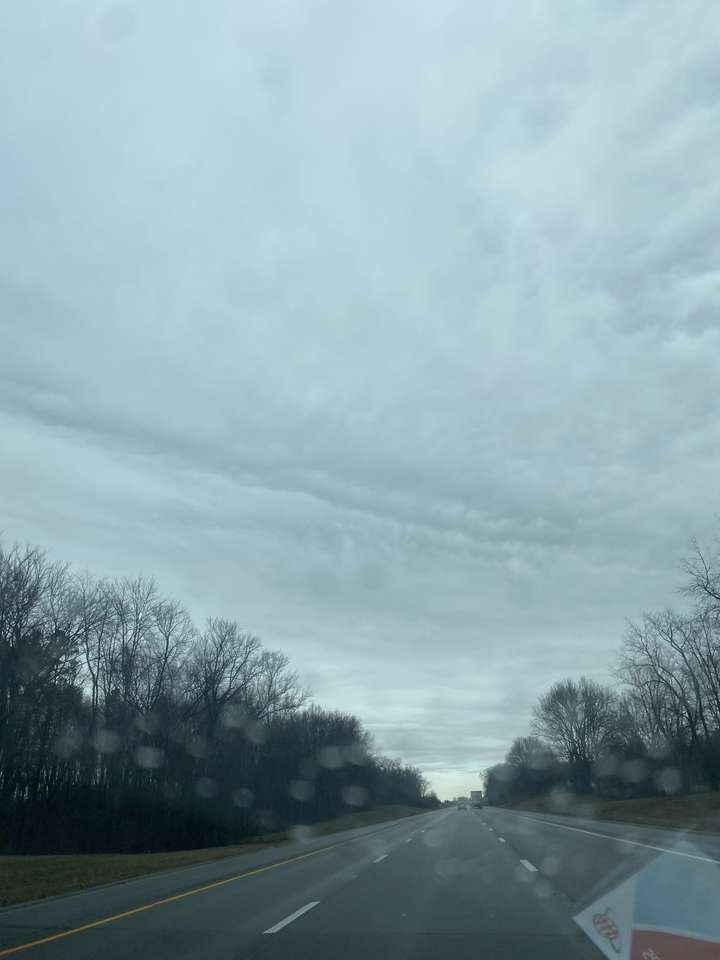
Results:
359 540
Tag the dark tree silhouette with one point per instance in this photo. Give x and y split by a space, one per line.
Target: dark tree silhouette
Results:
123 727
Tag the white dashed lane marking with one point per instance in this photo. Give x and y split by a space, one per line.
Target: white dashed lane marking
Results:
529 866
380 858
293 916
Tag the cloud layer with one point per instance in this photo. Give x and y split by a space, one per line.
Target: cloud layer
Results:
390 330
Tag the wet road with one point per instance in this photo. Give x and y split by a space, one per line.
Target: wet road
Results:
458 883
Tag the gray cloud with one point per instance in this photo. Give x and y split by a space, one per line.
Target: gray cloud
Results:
396 342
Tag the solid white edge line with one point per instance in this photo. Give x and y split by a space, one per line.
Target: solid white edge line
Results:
291 917
380 858
633 843
529 866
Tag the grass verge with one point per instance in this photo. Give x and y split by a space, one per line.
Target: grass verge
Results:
696 811
32 877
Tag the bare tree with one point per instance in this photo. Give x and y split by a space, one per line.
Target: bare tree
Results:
122 727
38 665
702 568
673 663
577 719
224 667
530 768
276 691
529 753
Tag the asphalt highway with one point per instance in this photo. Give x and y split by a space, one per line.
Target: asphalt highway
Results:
454 883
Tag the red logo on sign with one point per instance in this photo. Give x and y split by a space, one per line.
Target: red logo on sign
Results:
606 927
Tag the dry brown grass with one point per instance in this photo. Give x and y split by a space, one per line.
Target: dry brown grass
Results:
24 878
696 811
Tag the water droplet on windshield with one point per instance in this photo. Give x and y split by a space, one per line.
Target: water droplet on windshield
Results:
206 788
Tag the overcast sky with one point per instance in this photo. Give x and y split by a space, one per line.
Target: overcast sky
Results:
388 329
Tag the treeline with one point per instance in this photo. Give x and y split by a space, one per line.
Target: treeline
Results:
123 727
655 731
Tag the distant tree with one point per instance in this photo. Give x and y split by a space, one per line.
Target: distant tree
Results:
529 753
499 784
577 719
533 765
661 730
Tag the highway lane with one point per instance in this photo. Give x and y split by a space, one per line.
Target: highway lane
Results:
274 872
582 856
436 885
636 891
451 891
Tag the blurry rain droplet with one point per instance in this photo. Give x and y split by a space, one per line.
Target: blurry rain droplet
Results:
330 758
606 765
255 732
117 22
669 780
266 820
68 743
242 797
356 754
634 771
308 769
301 790
234 716
106 741
197 747
206 788
149 757
355 796
301 833
146 722
543 889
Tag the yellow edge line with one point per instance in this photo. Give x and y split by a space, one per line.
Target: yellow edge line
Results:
8 951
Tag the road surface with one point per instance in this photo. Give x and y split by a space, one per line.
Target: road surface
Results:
458 883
